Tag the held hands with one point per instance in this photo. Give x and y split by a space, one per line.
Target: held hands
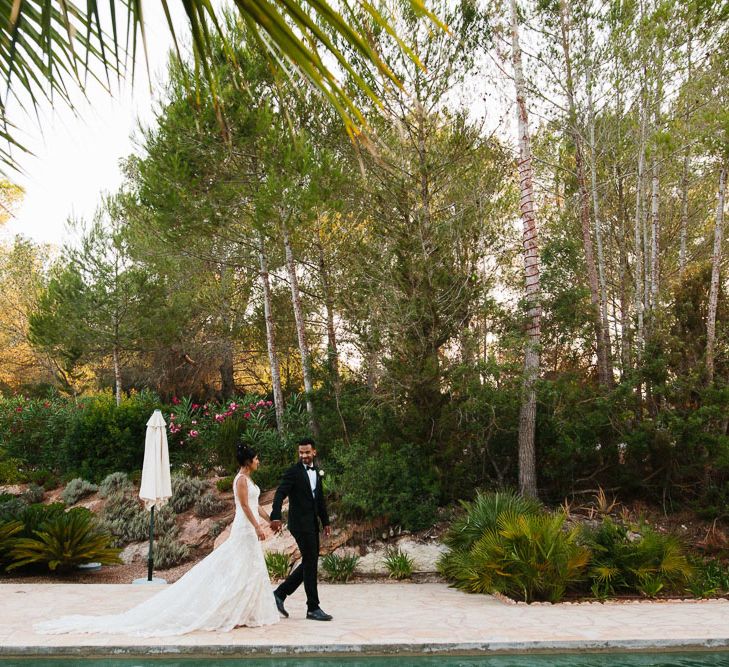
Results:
276 526
261 533
327 531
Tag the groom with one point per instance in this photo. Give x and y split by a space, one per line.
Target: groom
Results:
301 483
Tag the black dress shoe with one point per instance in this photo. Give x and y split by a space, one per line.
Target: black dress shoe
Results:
318 615
280 607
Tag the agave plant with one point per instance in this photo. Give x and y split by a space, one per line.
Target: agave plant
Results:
69 539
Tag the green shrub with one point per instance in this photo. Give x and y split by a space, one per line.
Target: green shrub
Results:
103 438
76 489
527 557
186 491
10 469
168 551
278 564
45 478
33 494
115 482
339 568
125 518
225 484
399 564
643 561
11 507
710 578
208 505
384 479
218 527
67 540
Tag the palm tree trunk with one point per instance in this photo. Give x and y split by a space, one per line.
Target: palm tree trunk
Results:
300 330
715 267
271 337
528 410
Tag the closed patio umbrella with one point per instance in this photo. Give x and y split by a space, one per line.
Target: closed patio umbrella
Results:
156 487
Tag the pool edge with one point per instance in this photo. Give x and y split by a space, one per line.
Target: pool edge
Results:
334 650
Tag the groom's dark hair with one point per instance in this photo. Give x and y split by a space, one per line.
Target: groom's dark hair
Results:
306 441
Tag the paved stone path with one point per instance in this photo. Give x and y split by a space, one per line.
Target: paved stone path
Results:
372 618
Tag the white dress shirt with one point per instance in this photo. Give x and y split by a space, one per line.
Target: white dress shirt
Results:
312 480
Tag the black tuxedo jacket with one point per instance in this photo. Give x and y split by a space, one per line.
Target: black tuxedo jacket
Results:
305 509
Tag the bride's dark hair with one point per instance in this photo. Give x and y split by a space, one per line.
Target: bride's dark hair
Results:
245 454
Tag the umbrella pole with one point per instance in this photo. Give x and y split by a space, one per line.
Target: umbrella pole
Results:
151 537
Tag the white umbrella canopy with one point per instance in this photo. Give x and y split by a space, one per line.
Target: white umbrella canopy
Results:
156 487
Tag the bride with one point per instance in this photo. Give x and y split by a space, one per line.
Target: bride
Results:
228 588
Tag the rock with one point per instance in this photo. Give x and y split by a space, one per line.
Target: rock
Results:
93 504
222 537
133 553
425 555
195 531
371 563
13 489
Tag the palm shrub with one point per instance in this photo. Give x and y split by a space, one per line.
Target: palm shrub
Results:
35 517
644 562
526 556
339 568
186 491
482 514
66 540
8 531
76 489
479 516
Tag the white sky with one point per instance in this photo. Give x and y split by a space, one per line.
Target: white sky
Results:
76 157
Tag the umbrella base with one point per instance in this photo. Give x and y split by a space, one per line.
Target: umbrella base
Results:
145 580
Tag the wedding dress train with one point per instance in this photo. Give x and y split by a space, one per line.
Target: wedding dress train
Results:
229 587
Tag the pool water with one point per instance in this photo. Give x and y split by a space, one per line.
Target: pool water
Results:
694 659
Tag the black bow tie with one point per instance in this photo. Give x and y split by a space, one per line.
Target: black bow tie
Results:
309 467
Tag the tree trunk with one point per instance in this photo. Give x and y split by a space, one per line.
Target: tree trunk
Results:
715 266
300 330
332 351
655 235
686 165
117 376
271 337
227 381
602 335
528 411
598 238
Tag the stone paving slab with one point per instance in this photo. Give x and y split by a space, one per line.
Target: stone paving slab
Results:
380 618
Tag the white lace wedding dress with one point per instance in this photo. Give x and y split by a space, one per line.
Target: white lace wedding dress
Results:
229 587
